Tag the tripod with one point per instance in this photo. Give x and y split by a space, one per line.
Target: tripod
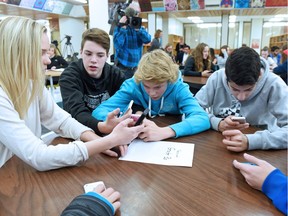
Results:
68 50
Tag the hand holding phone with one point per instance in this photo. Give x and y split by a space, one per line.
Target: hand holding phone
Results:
141 118
241 119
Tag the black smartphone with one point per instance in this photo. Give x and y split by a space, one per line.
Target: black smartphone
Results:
143 115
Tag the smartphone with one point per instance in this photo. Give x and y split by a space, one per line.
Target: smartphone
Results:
143 115
241 120
211 71
90 186
127 108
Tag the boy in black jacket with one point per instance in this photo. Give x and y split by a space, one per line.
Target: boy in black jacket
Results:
91 80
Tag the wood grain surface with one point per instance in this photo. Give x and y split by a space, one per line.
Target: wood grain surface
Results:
211 187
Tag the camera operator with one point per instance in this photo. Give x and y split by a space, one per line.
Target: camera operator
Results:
129 37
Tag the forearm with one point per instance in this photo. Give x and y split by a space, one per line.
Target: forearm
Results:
97 146
88 136
275 187
268 140
167 132
89 204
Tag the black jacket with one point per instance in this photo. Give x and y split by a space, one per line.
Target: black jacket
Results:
190 69
58 62
81 93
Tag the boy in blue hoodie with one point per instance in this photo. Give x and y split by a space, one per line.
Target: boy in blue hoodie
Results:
265 177
158 85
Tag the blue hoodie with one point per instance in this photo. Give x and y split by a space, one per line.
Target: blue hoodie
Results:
275 187
177 99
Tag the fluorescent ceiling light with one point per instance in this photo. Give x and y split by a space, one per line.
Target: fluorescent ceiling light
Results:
232 19
231 25
197 21
81 1
207 25
270 24
276 19
281 15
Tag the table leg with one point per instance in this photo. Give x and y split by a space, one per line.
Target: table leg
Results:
51 86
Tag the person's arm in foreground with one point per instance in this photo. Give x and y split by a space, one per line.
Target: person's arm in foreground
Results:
265 177
98 202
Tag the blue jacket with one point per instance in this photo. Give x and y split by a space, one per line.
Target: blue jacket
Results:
275 187
128 45
177 99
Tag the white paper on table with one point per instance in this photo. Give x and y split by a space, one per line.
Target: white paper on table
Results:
160 152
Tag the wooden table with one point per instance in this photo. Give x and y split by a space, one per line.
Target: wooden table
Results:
53 73
195 83
211 187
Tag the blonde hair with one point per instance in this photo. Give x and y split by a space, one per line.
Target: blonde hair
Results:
156 66
21 73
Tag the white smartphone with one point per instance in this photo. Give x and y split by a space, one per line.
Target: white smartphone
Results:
127 108
90 186
241 120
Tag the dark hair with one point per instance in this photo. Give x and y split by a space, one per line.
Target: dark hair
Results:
223 47
212 53
98 36
273 48
243 66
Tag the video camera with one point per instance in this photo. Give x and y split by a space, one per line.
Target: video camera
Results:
117 11
132 20
68 38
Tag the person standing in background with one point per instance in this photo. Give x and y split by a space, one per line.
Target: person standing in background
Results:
180 46
157 41
128 43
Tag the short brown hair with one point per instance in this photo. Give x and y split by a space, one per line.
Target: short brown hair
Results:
98 36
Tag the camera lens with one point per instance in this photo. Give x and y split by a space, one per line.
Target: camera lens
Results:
135 22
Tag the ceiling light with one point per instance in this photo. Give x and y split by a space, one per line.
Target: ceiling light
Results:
281 15
197 21
276 19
